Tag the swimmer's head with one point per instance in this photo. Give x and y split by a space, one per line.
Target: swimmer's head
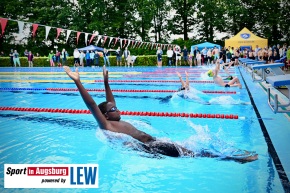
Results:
210 73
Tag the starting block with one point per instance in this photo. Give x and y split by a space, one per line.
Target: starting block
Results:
280 80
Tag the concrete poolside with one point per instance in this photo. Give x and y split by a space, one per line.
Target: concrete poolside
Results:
277 126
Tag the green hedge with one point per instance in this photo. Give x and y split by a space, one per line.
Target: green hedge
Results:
43 61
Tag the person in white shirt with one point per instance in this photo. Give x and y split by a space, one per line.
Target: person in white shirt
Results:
178 55
82 56
76 57
126 54
169 54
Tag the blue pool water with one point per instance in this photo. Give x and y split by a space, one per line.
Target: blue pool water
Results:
55 138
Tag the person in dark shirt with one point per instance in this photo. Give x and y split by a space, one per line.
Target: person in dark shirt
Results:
185 55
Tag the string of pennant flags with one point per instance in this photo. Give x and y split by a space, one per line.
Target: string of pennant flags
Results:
112 40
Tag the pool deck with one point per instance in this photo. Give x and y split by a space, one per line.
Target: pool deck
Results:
277 125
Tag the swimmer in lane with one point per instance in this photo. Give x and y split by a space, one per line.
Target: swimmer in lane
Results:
184 85
108 117
235 82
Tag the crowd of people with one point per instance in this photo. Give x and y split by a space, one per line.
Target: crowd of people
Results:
208 56
175 56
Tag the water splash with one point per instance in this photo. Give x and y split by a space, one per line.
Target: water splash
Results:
213 143
225 100
202 141
194 95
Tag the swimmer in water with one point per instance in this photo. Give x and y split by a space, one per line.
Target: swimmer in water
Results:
235 82
184 86
108 117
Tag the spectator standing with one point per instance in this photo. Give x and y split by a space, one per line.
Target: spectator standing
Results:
88 58
194 55
277 50
159 57
82 56
209 56
169 54
57 58
185 55
106 57
283 50
76 57
30 59
198 58
178 55
190 59
223 54
26 53
92 57
256 52
215 53
251 54
276 56
126 54
50 58
119 56
64 57
288 55
96 58
16 58
228 56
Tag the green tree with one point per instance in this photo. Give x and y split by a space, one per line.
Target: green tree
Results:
183 19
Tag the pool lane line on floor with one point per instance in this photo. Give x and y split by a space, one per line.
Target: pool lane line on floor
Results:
277 162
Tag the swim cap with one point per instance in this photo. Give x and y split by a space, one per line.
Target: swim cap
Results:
210 73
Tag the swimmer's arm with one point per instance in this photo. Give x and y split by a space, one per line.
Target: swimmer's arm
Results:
180 78
227 68
187 81
216 70
92 106
109 94
90 103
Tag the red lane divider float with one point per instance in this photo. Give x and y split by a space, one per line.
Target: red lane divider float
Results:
124 90
114 90
194 81
134 113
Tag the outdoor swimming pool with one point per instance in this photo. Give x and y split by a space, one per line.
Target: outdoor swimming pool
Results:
66 138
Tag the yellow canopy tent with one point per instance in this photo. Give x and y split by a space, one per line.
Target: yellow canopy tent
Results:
246 38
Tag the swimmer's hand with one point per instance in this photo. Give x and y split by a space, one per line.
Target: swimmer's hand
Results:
186 73
178 74
105 74
73 75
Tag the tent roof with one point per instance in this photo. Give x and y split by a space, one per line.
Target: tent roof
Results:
91 48
246 38
205 44
245 34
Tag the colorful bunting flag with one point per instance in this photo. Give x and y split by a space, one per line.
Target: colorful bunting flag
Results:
34 28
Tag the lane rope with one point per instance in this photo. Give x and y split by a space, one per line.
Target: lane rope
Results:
93 81
134 113
114 90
